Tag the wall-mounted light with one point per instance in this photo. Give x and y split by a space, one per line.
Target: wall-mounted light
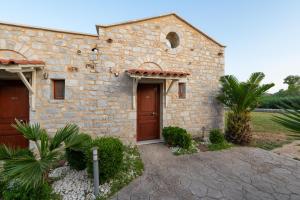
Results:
94 54
45 75
115 72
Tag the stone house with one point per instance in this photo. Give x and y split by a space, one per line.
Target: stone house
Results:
129 80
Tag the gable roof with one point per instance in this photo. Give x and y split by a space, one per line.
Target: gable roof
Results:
156 17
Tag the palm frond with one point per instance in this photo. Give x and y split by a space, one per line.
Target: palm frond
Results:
7 153
62 135
27 170
290 118
29 131
242 96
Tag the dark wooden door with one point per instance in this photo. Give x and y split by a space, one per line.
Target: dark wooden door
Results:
14 104
148 110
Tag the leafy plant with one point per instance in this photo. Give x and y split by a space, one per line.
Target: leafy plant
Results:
76 148
14 191
241 98
110 154
131 168
175 136
216 136
290 118
193 148
30 168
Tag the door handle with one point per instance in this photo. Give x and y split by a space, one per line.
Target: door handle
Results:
153 113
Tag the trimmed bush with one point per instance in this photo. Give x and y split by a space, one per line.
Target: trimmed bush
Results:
77 159
13 191
110 153
77 148
216 136
175 136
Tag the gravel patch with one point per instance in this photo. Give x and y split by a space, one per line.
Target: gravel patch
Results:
75 185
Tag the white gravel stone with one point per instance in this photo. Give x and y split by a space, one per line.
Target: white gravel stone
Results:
76 185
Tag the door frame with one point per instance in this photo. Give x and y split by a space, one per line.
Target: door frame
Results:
160 84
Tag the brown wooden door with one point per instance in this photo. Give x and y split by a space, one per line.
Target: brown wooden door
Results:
148 110
14 104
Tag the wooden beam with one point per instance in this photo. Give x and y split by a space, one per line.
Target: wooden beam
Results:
170 86
135 82
33 95
26 83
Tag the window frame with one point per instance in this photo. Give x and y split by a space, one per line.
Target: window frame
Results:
54 82
181 91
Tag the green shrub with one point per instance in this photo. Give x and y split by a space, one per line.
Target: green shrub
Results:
14 191
76 159
275 102
175 136
76 148
110 154
216 136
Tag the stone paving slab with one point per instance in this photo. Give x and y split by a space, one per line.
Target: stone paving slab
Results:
235 174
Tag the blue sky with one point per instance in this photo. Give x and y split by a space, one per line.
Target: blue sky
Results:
260 35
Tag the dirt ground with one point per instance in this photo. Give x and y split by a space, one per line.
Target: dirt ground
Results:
291 150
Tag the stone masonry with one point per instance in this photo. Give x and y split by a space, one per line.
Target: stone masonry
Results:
99 99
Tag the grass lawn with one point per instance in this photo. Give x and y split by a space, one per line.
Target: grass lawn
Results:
267 134
262 122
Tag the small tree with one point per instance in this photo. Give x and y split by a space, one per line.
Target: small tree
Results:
293 82
30 168
241 98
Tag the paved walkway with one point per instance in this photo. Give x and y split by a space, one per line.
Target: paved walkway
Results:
238 173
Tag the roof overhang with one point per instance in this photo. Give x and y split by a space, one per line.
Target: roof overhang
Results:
156 74
20 66
14 66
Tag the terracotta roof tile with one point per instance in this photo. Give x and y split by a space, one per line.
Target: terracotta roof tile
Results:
21 62
157 73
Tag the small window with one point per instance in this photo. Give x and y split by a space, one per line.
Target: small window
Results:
181 90
173 39
59 89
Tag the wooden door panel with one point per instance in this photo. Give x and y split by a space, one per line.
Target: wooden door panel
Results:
14 104
148 109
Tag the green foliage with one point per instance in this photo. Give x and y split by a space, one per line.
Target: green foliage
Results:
110 153
14 191
290 118
276 102
76 148
216 136
241 98
175 136
131 168
293 82
193 148
219 146
31 170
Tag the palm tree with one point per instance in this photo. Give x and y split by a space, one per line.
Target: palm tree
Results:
241 98
30 167
290 117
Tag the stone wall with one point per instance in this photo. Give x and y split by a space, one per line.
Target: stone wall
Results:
101 102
